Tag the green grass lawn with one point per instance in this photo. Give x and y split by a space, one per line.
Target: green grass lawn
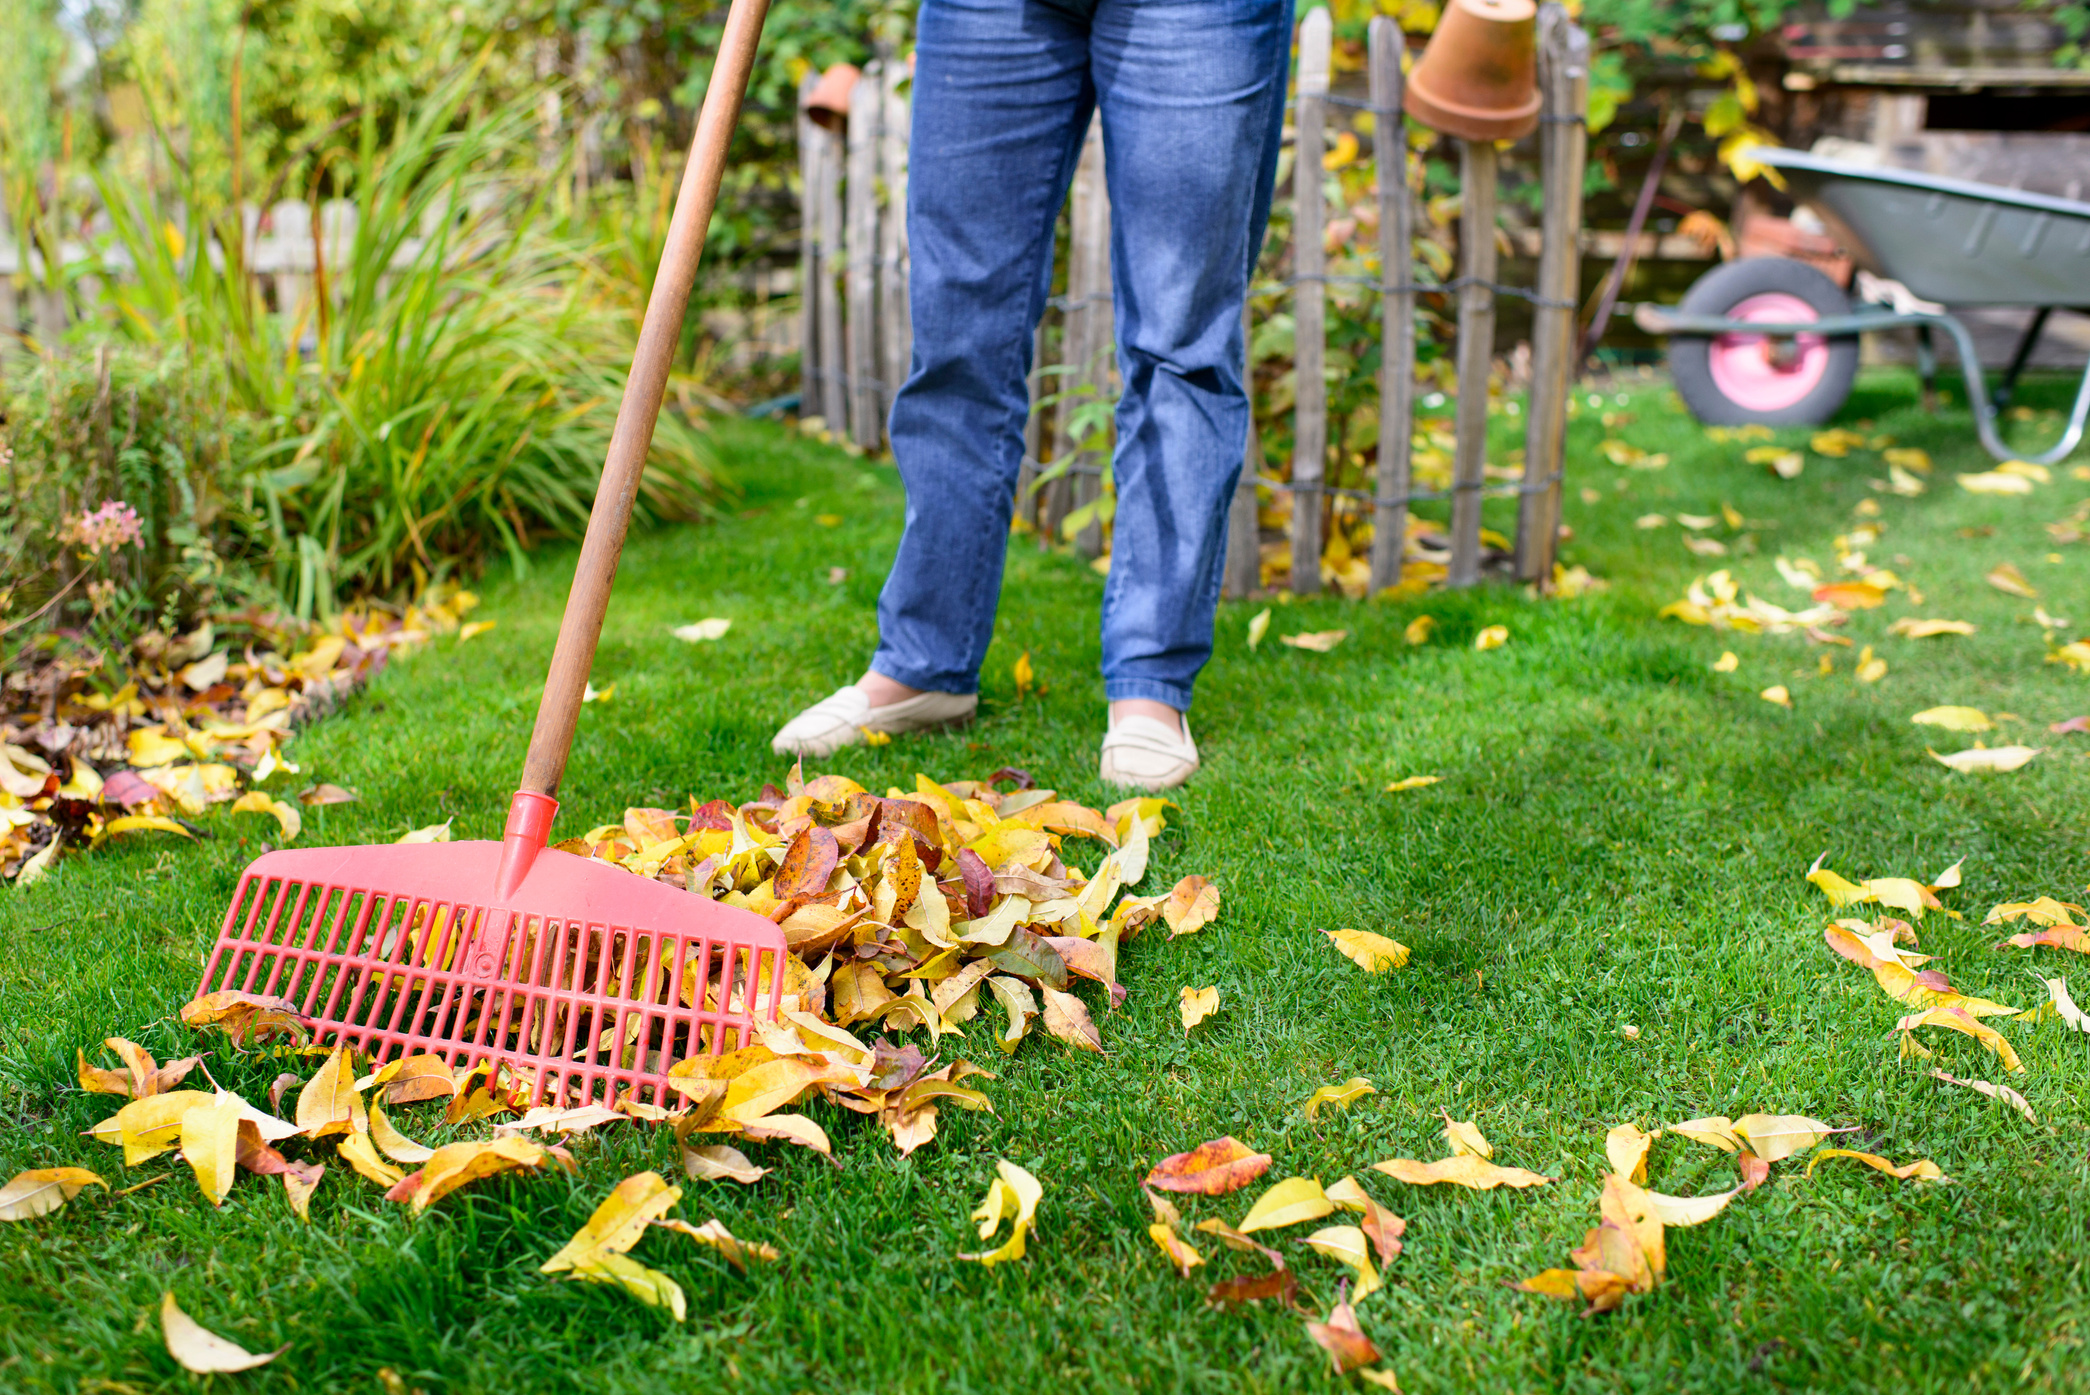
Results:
1619 839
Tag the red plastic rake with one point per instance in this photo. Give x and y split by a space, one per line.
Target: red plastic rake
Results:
587 981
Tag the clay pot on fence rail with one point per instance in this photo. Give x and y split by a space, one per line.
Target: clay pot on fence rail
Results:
828 103
1478 79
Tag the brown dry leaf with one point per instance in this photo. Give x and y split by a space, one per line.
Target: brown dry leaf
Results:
1280 1284
1013 1195
1626 1147
2007 578
1375 954
196 1349
617 1223
455 1164
1995 1092
42 1190
1959 1020
1196 1004
1463 1170
326 794
1343 1339
300 1180
1289 1202
141 1075
1922 1170
720 1163
413 1079
2073 937
808 863
330 1102
1342 1096
1191 906
247 1017
1067 1018
1235 1240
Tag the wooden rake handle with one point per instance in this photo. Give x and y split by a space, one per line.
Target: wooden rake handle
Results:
659 334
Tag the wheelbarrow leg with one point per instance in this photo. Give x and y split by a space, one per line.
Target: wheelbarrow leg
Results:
1927 368
2025 344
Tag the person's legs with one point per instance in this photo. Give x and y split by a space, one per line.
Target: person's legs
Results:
1192 94
1002 96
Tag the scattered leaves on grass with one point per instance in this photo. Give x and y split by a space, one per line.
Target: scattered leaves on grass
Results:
1905 894
1373 953
1995 1092
140 1076
1013 1196
1922 1170
1319 641
42 1190
1196 1004
1210 1169
1342 1096
197 1349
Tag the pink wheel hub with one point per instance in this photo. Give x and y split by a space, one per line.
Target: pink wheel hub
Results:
1759 373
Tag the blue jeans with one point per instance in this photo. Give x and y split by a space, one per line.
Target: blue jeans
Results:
1192 94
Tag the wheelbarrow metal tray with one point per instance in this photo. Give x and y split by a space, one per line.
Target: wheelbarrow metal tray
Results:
1949 240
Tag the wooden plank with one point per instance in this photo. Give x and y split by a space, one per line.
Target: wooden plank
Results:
1091 326
1243 571
1475 352
895 322
810 252
1310 299
1396 308
1563 66
860 268
827 197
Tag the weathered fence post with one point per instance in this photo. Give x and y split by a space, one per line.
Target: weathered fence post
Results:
1034 434
812 363
1476 351
1244 563
1309 316
1563 75
1396 307
827 215
895 324
860 275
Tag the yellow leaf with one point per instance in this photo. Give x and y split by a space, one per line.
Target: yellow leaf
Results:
286 815
1954 718
1258 627
1319 641
1493 637
1464 1138
710 628
151 746
1289 1202
210 1144
196 1349
2007 578
1022 674
1418 630
1196 1004
1412 782
1342 1096
298 1186
1067 1018
135 823
1012 1196
1191 905
42 1190
1626 1148
1995 1092
1988 760
1923 1170
1346 1245
149 1127
1714 1132
1688 1210
1959 1020
361 1155
720 1163
618 1222
1777 693
434 833
1373 953
474 628
2044 911
395 1144
1180 1255
1462 1169
1908 627
455 1164
1726 663
1774 1137
330 1103
1995 482
649 1286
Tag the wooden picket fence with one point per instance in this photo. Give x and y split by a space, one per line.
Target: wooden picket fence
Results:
856 335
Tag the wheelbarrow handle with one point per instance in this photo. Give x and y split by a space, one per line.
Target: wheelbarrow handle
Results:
659 334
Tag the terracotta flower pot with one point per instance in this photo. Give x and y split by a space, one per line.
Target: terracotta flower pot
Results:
1478 78
828 102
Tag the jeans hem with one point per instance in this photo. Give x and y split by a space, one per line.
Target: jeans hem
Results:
924 679
1176 695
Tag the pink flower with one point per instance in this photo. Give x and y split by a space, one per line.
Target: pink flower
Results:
114 525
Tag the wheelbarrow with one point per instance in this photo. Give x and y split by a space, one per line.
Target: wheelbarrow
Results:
1774 341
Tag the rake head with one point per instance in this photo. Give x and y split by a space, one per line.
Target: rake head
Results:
586 981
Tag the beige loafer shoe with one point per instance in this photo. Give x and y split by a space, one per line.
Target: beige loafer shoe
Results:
1144 754
842 719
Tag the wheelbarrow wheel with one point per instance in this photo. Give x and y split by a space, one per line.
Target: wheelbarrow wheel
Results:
1744 379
